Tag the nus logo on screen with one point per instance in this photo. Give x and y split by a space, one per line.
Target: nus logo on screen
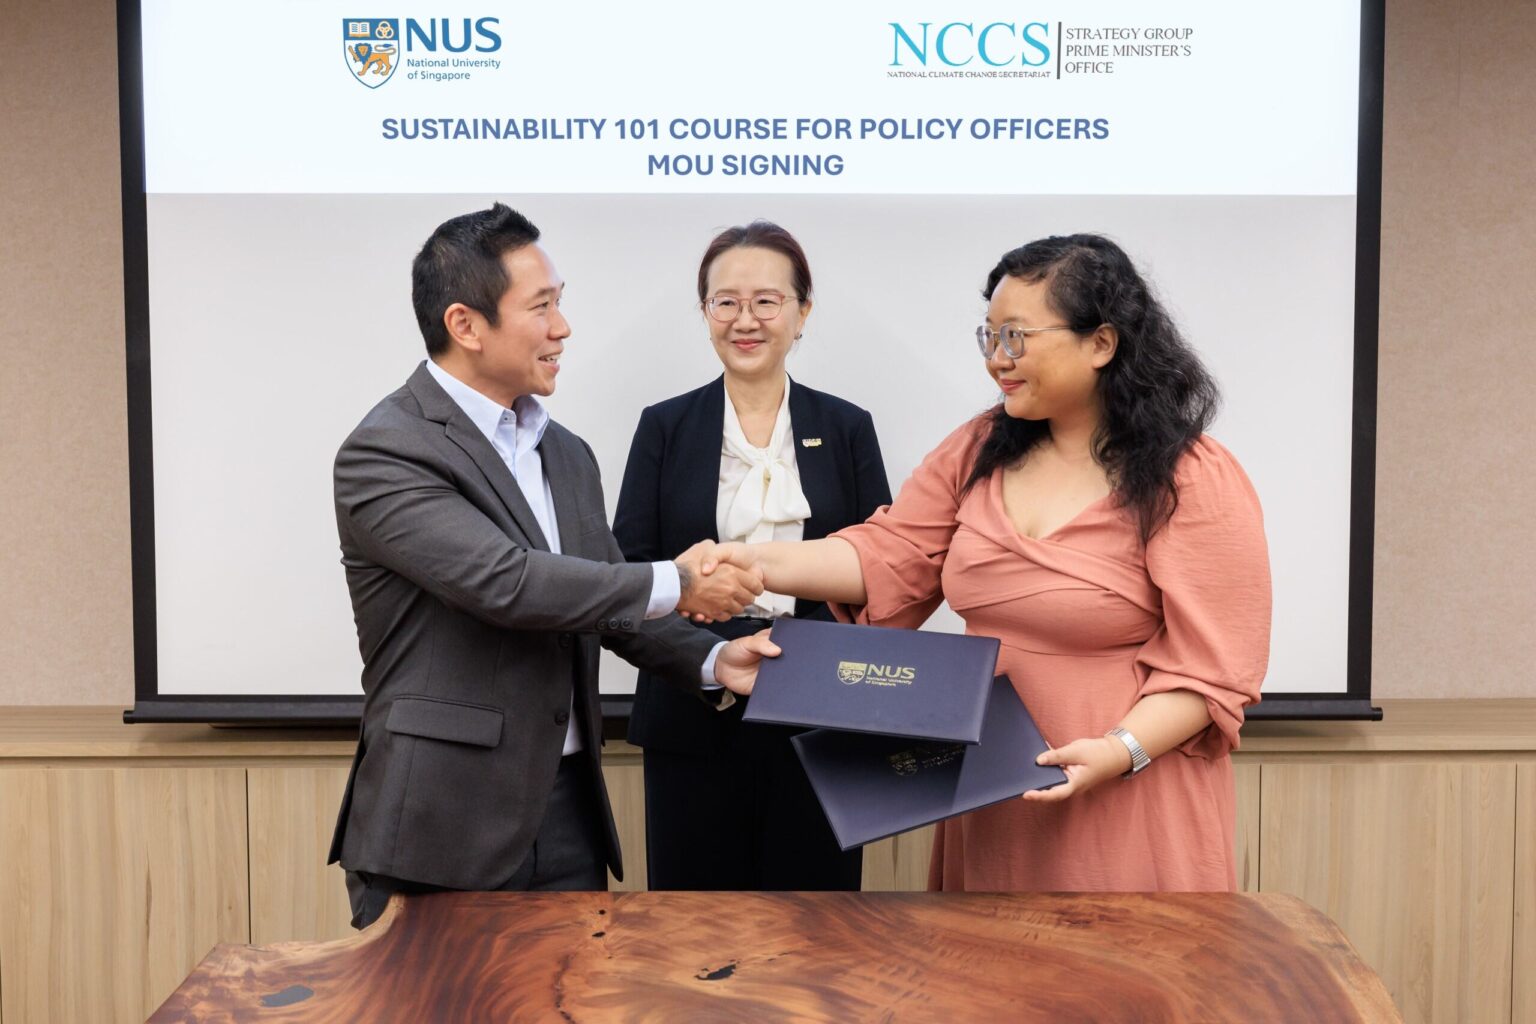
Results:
373 46
955 44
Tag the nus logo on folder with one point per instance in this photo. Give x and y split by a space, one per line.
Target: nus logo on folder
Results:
925 755
851 673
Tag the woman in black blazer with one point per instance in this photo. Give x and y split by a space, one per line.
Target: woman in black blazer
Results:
752 455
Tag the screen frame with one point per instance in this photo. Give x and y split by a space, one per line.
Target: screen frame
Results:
331 710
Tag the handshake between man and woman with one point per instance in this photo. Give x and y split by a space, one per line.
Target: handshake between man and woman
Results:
718 581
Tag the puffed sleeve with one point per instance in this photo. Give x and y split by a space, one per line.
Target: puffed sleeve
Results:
1211 562
903 545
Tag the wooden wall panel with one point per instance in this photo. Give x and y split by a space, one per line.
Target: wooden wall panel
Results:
294 893
116 883
1246 778
1415 862
1523 993
896 864
900 863
626 792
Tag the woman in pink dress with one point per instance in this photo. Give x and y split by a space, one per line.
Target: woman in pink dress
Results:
1118 553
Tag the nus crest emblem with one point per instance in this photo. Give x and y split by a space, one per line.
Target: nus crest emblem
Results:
850 672
371 46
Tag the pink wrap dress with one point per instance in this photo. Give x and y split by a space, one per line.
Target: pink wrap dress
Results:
1090 621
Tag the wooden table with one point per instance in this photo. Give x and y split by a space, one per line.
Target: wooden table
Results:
844 957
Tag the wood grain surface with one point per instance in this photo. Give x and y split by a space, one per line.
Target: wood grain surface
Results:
1523 995
764 957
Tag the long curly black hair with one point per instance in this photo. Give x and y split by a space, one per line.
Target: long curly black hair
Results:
1156 395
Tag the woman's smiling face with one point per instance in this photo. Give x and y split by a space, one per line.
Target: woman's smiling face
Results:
1057 374
755 343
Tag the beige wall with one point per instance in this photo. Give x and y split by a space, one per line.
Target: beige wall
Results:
1454 556
65 624
1455 548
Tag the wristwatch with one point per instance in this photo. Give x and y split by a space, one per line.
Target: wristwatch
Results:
1139 758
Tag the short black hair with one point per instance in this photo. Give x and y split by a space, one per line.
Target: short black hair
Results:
461 262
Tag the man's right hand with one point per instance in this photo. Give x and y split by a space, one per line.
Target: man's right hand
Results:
717 593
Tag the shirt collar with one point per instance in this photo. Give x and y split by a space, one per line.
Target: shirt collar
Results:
780 430
485 413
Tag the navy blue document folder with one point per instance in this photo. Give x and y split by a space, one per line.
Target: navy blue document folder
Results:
876 786
893 682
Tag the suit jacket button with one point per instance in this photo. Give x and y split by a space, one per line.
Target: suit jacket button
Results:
561 717
602 624
628 624
565 639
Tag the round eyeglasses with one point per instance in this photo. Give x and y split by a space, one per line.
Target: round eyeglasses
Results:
1010 336
763 306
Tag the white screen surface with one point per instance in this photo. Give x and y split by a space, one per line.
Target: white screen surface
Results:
282 217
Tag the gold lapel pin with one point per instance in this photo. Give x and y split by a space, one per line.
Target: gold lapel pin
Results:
811 442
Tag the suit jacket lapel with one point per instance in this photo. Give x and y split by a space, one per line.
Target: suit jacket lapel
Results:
818 471
439 408
696 485
562 470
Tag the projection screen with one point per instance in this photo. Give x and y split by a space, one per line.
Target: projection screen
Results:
283 162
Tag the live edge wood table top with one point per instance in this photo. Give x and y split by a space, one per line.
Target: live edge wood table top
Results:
763 957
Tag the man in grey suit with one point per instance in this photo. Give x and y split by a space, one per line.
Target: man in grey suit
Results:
483 578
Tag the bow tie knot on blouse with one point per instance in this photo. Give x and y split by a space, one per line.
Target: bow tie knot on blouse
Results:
769 493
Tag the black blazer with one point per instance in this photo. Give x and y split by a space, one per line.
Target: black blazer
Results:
667 503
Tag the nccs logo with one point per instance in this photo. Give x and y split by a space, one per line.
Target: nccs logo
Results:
958 43
373 45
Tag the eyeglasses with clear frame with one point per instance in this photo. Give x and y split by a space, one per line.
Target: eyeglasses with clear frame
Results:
763 306
1011 336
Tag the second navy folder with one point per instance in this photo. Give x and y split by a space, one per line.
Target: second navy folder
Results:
871 787
891 682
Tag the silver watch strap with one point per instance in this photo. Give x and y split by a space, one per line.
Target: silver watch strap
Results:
1139 758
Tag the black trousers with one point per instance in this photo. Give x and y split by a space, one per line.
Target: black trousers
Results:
568 853
743 817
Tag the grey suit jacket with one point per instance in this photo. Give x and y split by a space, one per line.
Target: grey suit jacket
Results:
473 635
